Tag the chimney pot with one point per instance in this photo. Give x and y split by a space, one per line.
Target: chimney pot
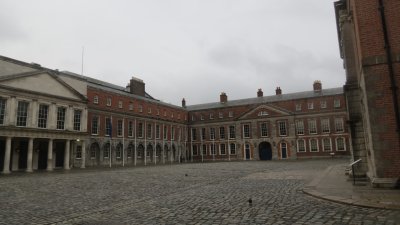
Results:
278 91
260 93
317 86
223 97
183 103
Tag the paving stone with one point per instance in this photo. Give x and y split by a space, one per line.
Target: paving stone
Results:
213 193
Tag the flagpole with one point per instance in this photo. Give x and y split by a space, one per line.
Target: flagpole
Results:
123 142
110 139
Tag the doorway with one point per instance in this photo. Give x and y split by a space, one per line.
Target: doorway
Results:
42 161
23 155
247 150
265 151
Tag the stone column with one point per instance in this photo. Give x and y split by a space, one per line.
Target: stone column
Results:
163 155
7 156
30 155
11 110
145 155
83 155
50 156
66 154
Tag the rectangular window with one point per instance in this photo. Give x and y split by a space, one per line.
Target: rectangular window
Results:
204 150
220 115
313 145
203 133
120 104
340 144
326 144
78 152
211 116
108 126
77 120
173 133
212 149
42 116
222 133
232 133
193 118
323 104
108 101
264 130
336 103
118 151
157 131
201 117
212 133
311 105
131 106
301 146
149 110
95 125
140 130
92 153
165 132
119 128
22 113
2 110
61 118
106 151
96 99
130 129
194 135
246 131
222 150
312 127
230 114
233 149
282 128
140 108
194 148
339 125
299 127
325 126
149 131
298 107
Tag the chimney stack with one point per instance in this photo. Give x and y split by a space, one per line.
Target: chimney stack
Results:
260 93
183 103
137 87
278 91
223 97
317 86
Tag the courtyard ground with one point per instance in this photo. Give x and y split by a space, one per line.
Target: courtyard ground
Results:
192 193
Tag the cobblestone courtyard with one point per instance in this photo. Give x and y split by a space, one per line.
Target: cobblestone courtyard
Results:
211 193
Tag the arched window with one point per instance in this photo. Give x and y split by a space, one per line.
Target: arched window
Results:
313 145
326 144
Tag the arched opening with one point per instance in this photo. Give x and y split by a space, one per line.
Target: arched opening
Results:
149 152
158 153
265 151
140 153
95 153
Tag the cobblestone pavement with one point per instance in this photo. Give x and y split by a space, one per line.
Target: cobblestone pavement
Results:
211 193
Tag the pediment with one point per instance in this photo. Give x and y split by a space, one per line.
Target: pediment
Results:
264 111
41 82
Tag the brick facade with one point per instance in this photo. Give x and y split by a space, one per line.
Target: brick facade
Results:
369 38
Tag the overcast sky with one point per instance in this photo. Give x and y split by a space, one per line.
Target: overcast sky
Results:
187 48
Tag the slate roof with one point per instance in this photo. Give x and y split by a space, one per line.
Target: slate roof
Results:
268 99
116 89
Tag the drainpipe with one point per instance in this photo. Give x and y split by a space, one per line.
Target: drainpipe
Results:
390 66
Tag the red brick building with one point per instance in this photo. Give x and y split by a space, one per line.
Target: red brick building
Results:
369 41
284 126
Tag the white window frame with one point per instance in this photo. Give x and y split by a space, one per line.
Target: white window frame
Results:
336 103
298 107
264 129
96 99
312 126
311 146
109 101
323 104
220 149
323 144
344 144
120 104
282 127
304 145
310 105
232 150
246 131
325 125
299 127
339 123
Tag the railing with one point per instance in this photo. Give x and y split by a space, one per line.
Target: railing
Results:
352 169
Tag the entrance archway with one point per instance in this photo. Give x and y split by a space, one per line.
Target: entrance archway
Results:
265 151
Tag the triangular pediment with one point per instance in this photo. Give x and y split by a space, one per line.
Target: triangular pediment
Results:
263 111
41 82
